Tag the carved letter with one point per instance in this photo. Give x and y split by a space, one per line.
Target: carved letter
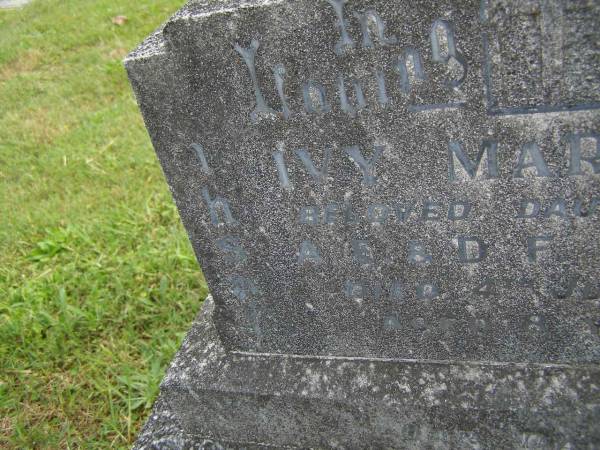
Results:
354 290
396 290
378 214
466 252
427 291
282 171
320 176
232 249
431 211
202 157
243 288
279 73
412 57
417 254
332 213
315 93
578 208
367 167
528 209
445 49
382 97
536 160
454 213
456 153
576 156
346 103
403 211
362 253
214 206
249 55
309 215
533 248
308 252
557 208
372 15
345 41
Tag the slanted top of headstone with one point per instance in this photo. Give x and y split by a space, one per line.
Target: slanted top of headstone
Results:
416 180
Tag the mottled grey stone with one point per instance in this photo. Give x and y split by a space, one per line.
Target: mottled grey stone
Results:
396 206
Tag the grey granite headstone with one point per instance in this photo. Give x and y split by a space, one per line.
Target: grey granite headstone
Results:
396 206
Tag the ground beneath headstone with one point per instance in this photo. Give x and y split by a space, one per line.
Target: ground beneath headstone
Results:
13 3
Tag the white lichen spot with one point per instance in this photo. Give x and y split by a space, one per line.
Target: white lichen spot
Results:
361 381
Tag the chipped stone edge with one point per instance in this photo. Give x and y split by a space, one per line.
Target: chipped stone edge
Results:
201 9
155 44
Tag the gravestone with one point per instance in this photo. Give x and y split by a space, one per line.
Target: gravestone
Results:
396 206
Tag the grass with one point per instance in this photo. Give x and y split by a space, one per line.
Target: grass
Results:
98 282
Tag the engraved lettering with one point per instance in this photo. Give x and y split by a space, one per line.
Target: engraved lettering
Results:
410 65
354 290
537 244
345 43
431 211
486 288
472 169
249 56
361 252
332 212
529 158
349 216
315 98
557 208
427 291
371 17
580 212
243 288
391 323
232 249
202 157
214 206
282 172
366 166
459 210
378 214
417 253
471 249
382 96
443 48
279 74
576 156
591 291
528 209
567 291
320 176
403 211
396 290
309 215
346 103
308 253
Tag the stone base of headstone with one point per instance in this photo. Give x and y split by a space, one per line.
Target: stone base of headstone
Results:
211 399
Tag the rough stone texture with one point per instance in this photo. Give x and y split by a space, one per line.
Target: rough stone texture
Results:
255 401
422 244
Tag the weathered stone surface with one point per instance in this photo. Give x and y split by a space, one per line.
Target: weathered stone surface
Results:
412 187
226 400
